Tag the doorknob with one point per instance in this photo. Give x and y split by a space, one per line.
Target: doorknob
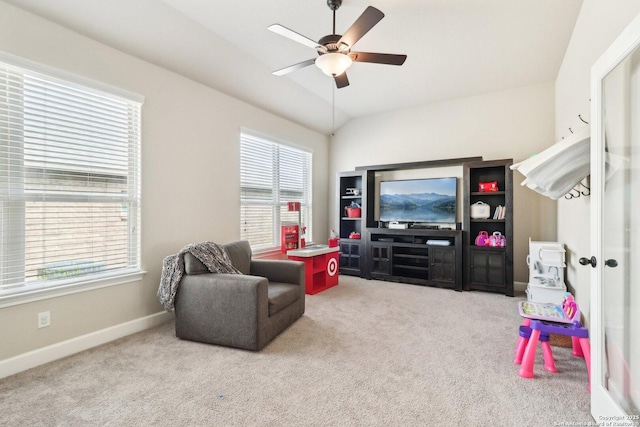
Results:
587 261
611 263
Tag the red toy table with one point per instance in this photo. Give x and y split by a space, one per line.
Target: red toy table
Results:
320 267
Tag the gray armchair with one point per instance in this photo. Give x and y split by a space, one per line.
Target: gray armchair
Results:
239 310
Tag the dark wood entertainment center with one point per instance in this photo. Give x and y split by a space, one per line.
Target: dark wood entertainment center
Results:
450 259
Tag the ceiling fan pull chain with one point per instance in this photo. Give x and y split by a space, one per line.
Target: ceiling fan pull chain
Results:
333 109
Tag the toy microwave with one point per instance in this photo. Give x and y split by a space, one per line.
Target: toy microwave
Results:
487 186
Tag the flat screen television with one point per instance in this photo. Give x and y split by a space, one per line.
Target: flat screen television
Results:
429 200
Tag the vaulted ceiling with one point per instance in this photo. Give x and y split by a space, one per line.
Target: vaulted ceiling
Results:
455 48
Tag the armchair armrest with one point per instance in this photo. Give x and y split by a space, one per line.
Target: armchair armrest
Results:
221 308
284 271
221 295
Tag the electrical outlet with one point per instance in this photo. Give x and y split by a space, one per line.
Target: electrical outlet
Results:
44 319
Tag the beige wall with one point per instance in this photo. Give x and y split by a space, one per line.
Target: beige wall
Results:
509 124
190 175
598 24
190 158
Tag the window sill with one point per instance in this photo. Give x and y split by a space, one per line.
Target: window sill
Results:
268 253
31 293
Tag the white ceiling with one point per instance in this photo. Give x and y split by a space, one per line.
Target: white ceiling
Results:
455 48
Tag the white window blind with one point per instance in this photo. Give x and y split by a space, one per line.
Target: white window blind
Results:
272 174
69 182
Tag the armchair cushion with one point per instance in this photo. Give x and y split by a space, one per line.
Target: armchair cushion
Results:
239 253
192 265
281 295
277 270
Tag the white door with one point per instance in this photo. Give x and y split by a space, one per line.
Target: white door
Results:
615 231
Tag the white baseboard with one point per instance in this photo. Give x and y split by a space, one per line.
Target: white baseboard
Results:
66 348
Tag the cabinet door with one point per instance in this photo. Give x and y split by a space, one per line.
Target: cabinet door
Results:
487 268
350 257
380 258
442 265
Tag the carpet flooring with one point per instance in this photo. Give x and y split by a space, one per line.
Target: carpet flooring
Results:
366 353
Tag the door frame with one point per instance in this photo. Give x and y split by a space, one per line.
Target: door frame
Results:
602 404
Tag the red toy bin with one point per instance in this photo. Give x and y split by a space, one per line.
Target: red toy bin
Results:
488 186
353 212
333 242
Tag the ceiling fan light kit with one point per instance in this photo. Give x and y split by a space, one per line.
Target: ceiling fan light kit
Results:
333 63
334 50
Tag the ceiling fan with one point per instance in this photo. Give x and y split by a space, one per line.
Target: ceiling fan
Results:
334 50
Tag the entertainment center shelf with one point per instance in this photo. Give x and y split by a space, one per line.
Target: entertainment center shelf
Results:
412 236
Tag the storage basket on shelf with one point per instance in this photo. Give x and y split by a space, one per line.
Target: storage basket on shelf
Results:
353 212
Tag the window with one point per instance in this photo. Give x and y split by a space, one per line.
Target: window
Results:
69 181
271 175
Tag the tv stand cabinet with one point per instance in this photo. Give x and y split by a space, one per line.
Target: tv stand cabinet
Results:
404 256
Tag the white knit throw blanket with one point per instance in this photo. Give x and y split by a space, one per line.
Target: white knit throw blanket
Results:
212 255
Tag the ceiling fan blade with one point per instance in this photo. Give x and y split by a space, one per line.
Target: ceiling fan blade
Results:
341 80
294 67
370 17
290 34
378 58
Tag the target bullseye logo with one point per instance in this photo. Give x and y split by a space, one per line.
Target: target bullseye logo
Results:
332 267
